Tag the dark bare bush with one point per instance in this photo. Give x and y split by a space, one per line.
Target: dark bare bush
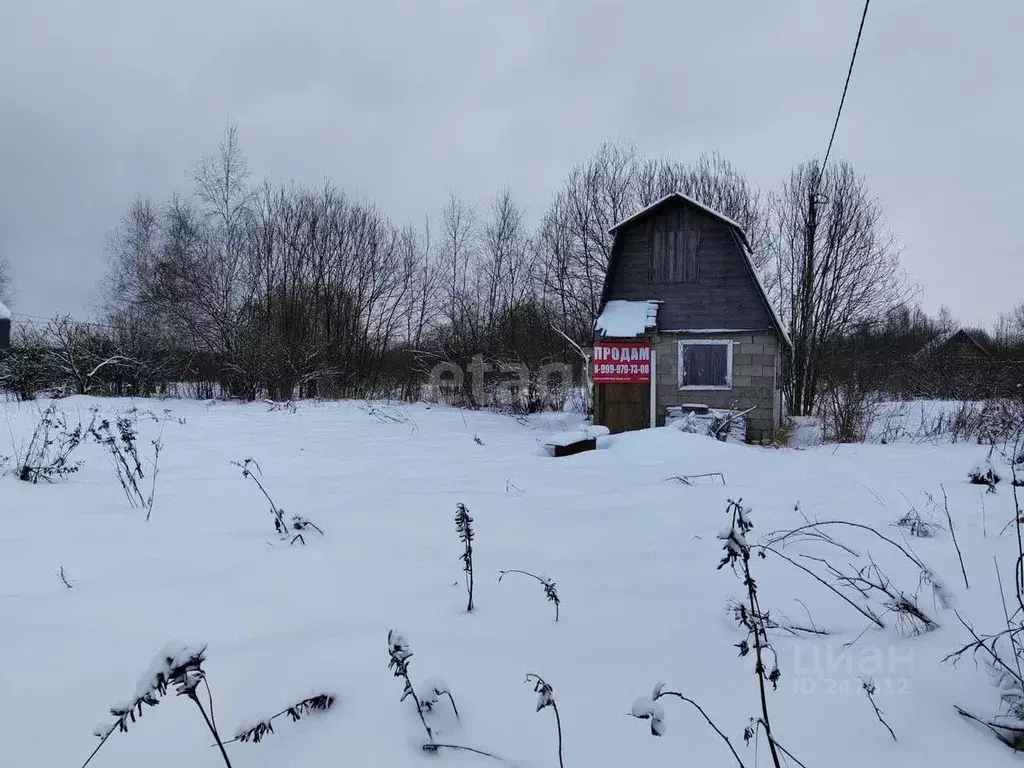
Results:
915 525
24 369
120 440
861 578
849 410
1001 652
48 455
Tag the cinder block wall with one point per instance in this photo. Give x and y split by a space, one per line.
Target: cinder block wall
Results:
756 370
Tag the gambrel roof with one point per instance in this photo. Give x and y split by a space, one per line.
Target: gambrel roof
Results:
737 231
941 341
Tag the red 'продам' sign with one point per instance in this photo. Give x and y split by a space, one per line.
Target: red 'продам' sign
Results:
621 362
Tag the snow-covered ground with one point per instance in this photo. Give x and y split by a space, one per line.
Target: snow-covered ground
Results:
634 557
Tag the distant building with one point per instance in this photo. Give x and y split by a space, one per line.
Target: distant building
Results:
956 347
958 365
5 326
680 280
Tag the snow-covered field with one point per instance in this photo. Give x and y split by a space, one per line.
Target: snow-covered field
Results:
634 557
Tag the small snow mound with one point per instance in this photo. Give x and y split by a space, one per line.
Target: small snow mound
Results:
431 689
722 424
623 319
172 656
578 435
984 473
804 431
646 708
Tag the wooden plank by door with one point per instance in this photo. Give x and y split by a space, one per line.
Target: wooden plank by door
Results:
624 407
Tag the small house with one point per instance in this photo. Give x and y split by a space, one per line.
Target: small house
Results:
957 365
685 323
956 347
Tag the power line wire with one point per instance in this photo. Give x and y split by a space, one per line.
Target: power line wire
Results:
846 86
40 320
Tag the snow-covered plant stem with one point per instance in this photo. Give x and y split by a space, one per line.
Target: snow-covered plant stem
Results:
647 708
546 698
399 655
320 702
158 446
550 590
869 690
952 533
181 667
433 748
299 524
208 718
757 724
279 524
464 527
120 440
737 554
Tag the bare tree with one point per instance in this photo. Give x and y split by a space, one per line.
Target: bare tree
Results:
74 352
1009 325
574 243
459 248
506 256
715 182
834 264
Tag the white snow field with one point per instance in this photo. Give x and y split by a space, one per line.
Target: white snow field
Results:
634 557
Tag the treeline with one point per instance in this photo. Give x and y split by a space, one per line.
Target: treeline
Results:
903 356
250 290
244 289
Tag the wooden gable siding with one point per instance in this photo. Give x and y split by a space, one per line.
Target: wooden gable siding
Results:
726 295
962 346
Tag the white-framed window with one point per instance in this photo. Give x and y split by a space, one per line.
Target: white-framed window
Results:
705 364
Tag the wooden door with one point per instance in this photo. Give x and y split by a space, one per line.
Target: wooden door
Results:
622 407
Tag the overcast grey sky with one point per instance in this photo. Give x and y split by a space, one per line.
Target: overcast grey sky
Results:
402 102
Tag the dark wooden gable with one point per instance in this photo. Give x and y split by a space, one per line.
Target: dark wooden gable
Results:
692 261
962 346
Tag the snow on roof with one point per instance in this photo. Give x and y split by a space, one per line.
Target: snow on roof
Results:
688 199
622 319
5 313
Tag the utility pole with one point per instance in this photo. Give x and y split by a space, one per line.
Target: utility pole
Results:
802 340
